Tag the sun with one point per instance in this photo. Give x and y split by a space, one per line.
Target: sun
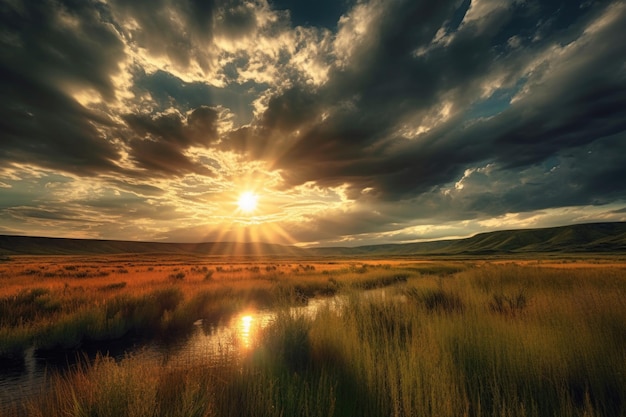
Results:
247 202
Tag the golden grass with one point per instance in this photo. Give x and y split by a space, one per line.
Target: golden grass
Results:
60 301
455 339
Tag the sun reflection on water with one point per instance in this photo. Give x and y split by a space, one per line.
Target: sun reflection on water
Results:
248 326
245 333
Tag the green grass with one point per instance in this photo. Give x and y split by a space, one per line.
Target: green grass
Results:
394 358
66 317
436 347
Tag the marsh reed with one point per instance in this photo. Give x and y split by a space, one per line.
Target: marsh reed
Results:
483 340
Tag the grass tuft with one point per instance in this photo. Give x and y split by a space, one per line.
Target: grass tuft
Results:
509 305
436 300
470 343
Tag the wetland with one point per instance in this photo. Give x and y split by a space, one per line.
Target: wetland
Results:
190 335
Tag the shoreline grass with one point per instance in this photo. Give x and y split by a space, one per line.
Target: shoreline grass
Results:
437 345
50 311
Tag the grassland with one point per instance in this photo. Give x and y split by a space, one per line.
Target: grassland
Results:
473 338
61 302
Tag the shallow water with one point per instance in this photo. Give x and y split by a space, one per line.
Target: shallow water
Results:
206 343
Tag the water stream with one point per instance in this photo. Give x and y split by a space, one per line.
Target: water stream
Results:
206 343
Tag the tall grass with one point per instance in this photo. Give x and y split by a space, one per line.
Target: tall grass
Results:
137 387
561 354
51 312
435 348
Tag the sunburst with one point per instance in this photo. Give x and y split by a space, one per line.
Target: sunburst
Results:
247 202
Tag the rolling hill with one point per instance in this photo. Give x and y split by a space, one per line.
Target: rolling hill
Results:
25 245
579 238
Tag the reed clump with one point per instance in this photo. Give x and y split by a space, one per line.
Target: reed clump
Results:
439 345
436 300
392 356
57 311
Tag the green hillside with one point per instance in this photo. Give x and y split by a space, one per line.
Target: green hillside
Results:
591 238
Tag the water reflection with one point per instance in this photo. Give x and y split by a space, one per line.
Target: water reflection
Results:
207 344
244 330
247 327
212 344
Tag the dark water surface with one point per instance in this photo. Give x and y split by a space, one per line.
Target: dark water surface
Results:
20 379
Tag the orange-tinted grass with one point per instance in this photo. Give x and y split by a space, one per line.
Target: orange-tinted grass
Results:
61 301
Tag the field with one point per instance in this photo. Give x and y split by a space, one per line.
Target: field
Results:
448 338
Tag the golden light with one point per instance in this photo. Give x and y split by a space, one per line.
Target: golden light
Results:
247 202
246 322
245 327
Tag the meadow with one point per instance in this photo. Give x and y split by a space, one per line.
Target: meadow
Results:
448 338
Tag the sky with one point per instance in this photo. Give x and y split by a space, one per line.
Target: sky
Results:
342 122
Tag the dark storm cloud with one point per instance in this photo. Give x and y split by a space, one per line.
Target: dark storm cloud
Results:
587 176
159 142
580 179
292 109
381 87
416 111
169 91
73 41
199 128
48 48
401 74
43 125
52 50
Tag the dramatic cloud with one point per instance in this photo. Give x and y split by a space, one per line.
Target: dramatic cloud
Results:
355 121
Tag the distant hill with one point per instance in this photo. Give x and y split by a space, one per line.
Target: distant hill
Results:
24 245
590 238
579 238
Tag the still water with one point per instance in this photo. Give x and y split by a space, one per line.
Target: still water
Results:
206 343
